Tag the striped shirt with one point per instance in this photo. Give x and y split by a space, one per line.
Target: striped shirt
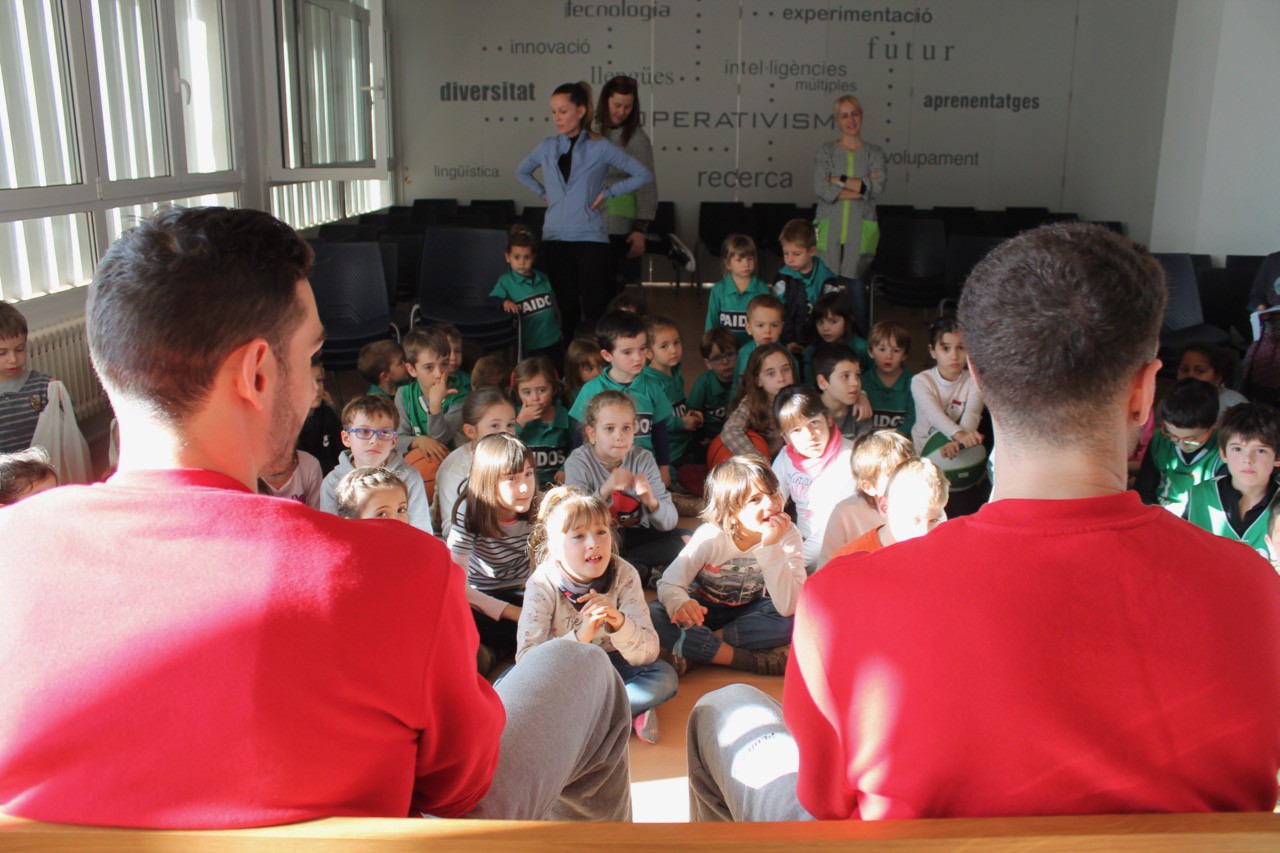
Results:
22 399
491 563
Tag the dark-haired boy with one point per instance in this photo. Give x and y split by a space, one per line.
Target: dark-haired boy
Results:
712 390
803 278
381 364
623 345
1185 450
321 433
888 384
427 358
1235 505
838 374
24 393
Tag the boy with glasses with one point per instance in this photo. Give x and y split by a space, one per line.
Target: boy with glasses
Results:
712 390
1184 450
369 429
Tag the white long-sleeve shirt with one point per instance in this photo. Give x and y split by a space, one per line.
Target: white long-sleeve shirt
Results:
720 571
945 407
849 519
491 563
815 497
547 613
584 470
451 479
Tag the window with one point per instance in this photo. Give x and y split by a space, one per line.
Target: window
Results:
108 108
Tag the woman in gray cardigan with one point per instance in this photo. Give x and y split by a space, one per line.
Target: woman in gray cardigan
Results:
848 177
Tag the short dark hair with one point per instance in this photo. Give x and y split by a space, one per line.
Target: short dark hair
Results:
20 471
654 322
1057 320
717 337
1191 404
175 295
375 359
797 403
1218 357
947 324
1246 421
827 356
618 324
12 323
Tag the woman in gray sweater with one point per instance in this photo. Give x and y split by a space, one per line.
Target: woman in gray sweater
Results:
848 177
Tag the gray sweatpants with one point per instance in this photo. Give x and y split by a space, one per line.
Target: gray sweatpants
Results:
564 748
742 760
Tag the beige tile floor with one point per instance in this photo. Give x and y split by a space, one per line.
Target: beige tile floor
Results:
659 771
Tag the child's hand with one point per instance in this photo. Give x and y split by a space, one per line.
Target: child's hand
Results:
436 392
862 407
796 349
529 413
689 615
560 477
692 421
327 397
775 528
619 481
511 612
430 448
597 602
950 449
510 307
968 439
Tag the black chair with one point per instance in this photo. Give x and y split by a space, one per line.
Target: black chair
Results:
1224 297
770 217
1248 264
499 212
717 220
911 262
1201 262
1184 317
459 268
350 288
348 232
1026 218
388 223
963 254
895 211
434 211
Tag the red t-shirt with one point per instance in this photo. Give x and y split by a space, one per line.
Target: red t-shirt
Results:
867 543
180 652
1039 657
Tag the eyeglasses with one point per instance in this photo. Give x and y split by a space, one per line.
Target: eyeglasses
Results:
723 358
366 434
1186 439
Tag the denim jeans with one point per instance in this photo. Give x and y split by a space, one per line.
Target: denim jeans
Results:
757 625
648 685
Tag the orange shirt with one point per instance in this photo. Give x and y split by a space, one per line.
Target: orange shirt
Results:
868 542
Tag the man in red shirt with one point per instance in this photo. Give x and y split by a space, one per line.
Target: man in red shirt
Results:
177 651
1066 650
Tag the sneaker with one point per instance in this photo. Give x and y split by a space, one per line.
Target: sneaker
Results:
646 726
770 661
680 253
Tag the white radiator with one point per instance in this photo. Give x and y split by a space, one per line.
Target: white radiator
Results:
63 350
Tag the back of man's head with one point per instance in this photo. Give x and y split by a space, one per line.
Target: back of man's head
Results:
177 294
1058 321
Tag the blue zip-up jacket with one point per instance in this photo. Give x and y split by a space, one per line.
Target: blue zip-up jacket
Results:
568 215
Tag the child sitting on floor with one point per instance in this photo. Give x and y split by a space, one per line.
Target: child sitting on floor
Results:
486 412
913 503
751 427
25 473
582 363
583 589
369 432
298 479
1212 364
321 433
1185 450
611 463
729 298
888 385
832 322
872 459
542 421
381 364
373 493
730 595
1236 504
813 469
838 376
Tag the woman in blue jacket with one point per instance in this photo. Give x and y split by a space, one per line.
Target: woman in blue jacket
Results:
575 241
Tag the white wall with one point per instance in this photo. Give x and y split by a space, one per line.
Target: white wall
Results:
1097 71
1217 190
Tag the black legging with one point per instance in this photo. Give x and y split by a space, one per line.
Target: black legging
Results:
581 274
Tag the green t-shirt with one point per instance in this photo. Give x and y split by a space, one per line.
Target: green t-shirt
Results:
673 386
649 397
813 280
539 321
891 407
856 343
415 407
376 391
1205 510
728 308
711 397
550 443
1178 472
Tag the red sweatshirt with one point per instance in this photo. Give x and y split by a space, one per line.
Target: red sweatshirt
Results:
176 651
1037 658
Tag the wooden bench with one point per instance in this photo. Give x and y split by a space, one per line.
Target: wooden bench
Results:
1197 832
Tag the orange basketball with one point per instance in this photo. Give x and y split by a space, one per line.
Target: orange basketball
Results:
427 468
718 453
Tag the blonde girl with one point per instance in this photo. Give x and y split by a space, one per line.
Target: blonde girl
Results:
729 596
373 493
751 428
485 412
490 536
582 589
542 422
626 477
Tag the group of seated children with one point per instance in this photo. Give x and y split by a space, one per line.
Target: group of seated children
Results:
1213 458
